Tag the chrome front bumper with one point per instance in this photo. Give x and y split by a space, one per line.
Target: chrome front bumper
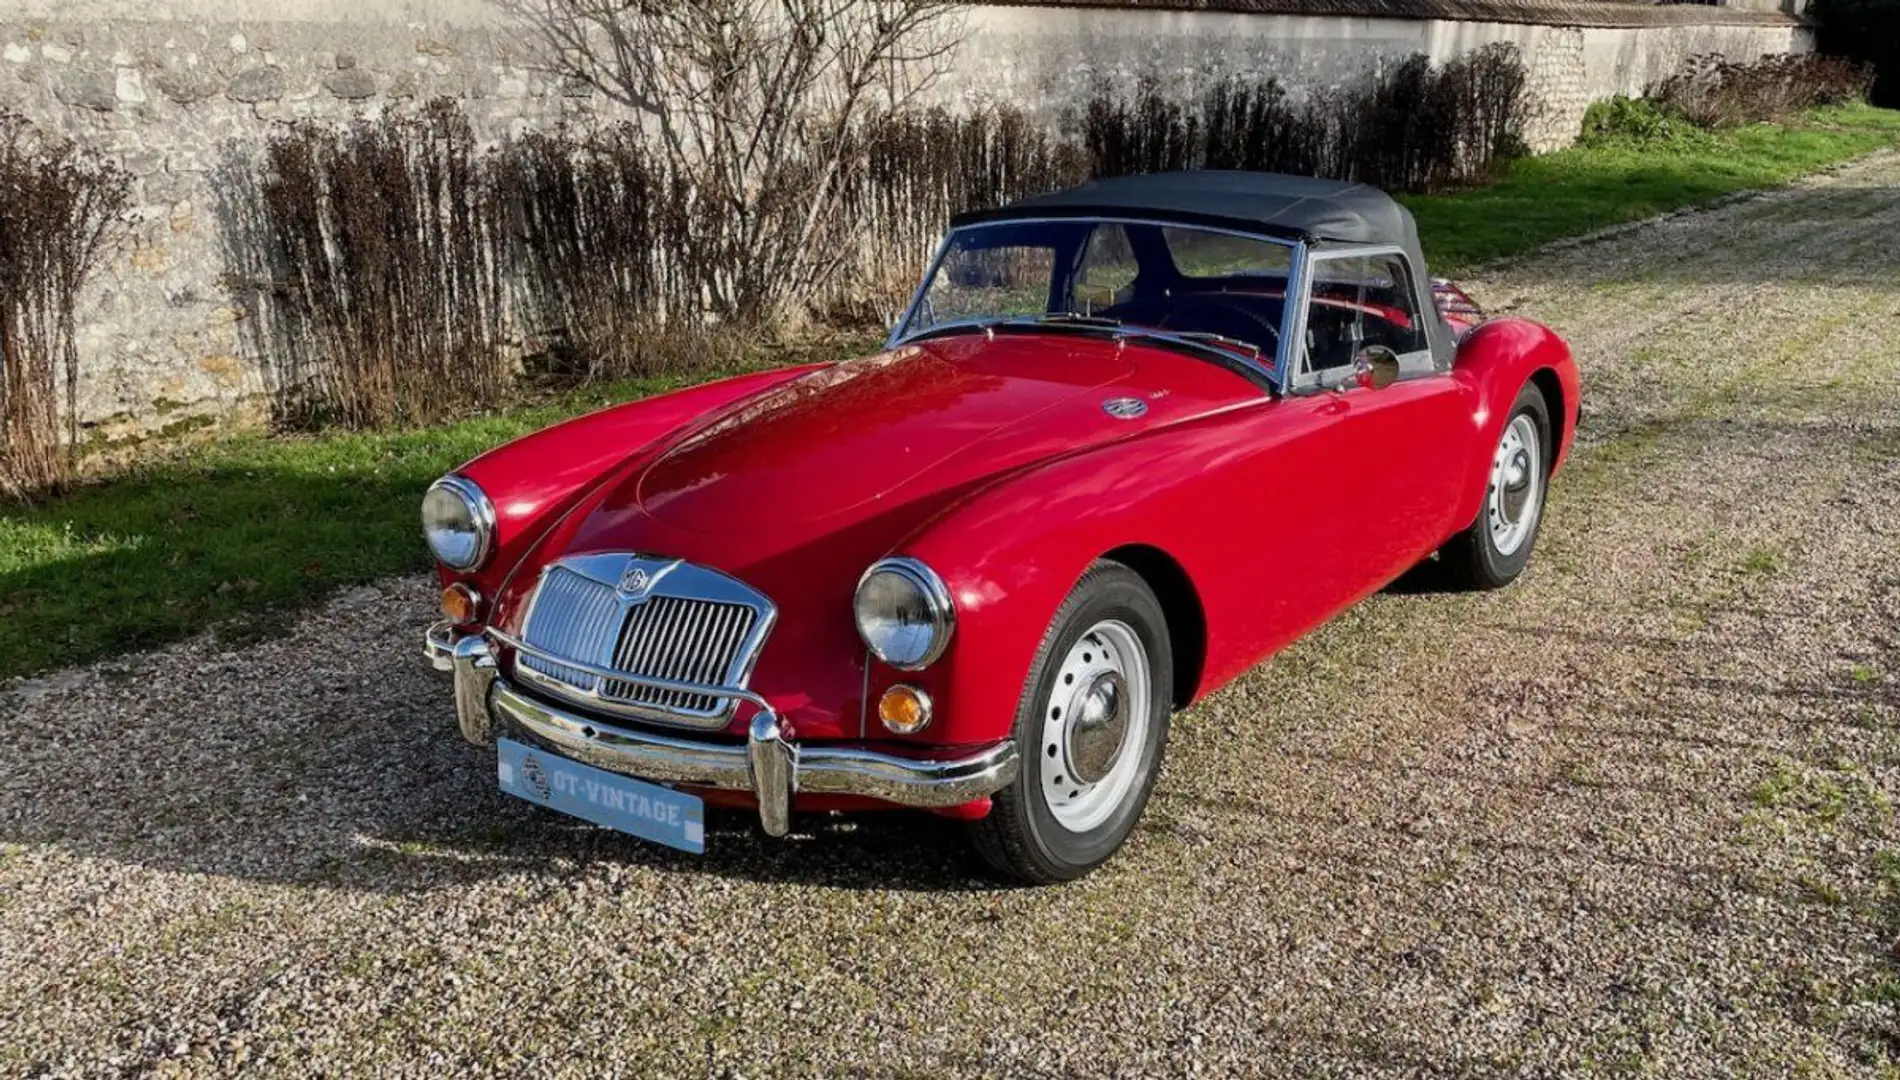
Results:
769 765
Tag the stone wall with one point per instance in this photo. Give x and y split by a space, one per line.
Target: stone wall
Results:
183 92
1051 58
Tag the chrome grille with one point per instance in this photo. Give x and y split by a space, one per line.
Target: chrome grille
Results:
572 616
678 622
681 640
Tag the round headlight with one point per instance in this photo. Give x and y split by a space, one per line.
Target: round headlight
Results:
904 613
459 522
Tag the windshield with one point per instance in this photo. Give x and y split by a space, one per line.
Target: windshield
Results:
1203 284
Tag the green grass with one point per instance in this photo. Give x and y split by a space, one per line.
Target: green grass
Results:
252 525
1580 190
238 532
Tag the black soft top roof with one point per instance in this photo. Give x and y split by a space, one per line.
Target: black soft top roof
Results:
1322 212
1294 207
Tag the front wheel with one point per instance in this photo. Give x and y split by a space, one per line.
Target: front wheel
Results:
1494 550
1091 727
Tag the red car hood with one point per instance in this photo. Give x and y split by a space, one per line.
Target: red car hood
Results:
795 493
866 433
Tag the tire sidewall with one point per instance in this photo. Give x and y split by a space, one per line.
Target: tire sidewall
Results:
1104 593
1497 565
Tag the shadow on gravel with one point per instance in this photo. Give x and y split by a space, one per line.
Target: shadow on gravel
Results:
295 762
1428 578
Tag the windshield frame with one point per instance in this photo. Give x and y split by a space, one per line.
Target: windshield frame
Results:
1272 370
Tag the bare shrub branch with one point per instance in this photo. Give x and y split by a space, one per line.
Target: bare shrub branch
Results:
1410 127
1714 92
56 206
395 273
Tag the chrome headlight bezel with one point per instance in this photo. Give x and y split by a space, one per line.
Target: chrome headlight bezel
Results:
935 597
481 520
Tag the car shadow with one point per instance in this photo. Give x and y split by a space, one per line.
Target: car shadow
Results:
294 762
1428 578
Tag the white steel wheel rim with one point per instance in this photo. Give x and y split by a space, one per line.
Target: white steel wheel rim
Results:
1094 723
1516 496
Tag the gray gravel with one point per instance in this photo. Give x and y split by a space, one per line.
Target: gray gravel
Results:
1633 815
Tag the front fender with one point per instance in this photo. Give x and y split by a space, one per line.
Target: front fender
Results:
535 479
1011 552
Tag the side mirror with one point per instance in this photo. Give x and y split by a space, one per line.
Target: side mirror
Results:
1376 367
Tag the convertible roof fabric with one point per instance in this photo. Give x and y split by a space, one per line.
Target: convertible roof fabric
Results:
1295 207
1321 212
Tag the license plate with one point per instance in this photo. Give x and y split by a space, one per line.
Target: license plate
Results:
648 811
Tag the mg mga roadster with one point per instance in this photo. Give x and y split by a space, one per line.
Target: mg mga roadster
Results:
1128 440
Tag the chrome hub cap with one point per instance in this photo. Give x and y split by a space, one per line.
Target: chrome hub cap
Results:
1093 725
1101 719
1517 486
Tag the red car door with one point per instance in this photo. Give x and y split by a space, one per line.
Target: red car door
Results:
1402 447
1362 483
1358 487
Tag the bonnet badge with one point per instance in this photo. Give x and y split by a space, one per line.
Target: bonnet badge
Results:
634 583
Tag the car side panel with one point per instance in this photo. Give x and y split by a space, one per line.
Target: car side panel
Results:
532 480
1238 499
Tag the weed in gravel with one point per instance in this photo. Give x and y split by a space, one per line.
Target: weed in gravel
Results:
1886 890
1820 890
1761 561
1816 796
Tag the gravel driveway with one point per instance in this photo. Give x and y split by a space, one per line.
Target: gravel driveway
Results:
1632 815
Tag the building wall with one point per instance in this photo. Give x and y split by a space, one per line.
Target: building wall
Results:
182 91
1052 58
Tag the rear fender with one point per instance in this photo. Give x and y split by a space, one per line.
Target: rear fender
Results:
1496 360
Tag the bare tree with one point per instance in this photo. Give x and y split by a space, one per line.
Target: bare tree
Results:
754 105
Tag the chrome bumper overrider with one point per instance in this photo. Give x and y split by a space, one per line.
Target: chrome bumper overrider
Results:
770 766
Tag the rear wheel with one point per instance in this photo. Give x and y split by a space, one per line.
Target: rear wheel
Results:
1494 550
1091 727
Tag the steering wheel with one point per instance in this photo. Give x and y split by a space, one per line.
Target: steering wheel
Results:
1225 318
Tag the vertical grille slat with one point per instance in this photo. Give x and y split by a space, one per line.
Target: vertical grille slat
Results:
668 630
709 643
679 663
669 635
722 642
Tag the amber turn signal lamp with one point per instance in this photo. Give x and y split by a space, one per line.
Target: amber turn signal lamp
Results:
461 604
904 710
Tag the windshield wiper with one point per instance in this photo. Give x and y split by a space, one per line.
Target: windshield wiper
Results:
1073 317
990 325
1214 347
1218 339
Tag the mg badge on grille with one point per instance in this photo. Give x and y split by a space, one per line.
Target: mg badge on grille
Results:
634 583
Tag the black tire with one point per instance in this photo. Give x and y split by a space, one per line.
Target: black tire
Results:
1472 559
1021 836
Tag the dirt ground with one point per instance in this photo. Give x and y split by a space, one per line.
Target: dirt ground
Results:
1633 815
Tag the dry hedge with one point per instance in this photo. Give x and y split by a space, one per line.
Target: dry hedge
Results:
401 248
56 204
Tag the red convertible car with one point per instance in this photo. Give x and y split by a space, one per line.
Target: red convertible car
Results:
1128 440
